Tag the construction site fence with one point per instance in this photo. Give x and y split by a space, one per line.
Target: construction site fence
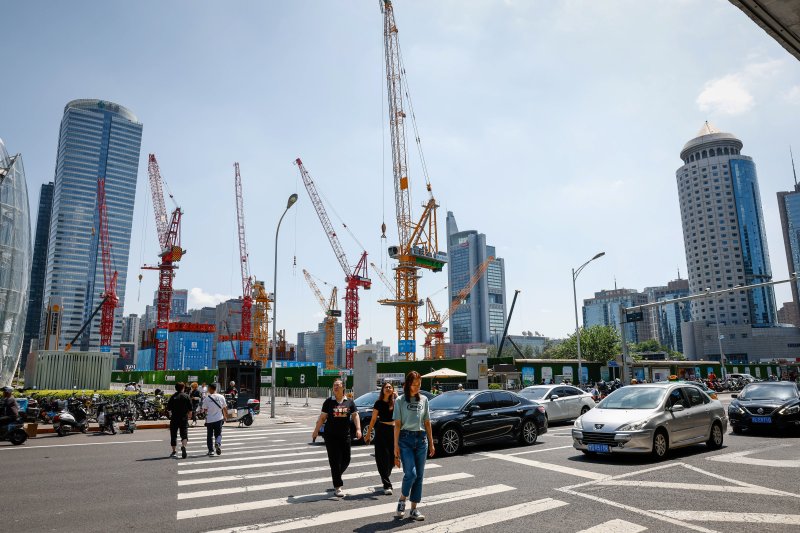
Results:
281 393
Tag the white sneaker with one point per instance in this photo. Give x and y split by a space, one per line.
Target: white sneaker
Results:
339 493
401 509
387 492
416 515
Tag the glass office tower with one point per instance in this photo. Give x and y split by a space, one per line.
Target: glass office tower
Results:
15 261
97 139
38 267
789 207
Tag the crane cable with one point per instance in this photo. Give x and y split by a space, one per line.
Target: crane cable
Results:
414 120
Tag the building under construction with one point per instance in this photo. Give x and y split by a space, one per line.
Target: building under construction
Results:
189 347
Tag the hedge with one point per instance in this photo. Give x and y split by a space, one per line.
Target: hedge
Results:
63 394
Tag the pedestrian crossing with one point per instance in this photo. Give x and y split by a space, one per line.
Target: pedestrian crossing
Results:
271 478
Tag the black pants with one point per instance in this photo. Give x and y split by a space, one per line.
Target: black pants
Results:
174 425
384 452
338 448
213 430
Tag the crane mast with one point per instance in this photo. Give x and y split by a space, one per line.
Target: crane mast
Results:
331 310
418 245
355 278
244 261
110 299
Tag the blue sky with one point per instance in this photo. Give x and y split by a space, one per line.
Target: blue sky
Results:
553 127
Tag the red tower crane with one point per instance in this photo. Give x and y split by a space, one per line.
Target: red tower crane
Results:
244 263
354 278
169 240
110 299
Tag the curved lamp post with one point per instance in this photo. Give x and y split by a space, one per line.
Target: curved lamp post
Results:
575 273
289 203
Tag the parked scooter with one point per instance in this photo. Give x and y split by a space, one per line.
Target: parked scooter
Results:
14 432
105 417
73 417
244 415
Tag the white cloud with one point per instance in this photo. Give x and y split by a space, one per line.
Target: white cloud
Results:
793 95
199 298
733 94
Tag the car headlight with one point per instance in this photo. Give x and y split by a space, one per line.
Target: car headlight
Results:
578 424
634 426
790 410
735 409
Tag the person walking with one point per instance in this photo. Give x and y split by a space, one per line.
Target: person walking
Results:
337 412
196 397
383 422
179 408
413 441
216 413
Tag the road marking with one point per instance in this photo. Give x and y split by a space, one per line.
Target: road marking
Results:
231 439
257 456
262 433
615 526
492 517
283 484
720 516
294 429
689 486
364 512
242 447
547 466
742 458
76 444
292 472
542 450
294 500
258 465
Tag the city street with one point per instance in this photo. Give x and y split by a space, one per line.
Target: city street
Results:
271 478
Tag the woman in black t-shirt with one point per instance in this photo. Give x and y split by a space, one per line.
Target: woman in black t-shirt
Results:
337 411
382 421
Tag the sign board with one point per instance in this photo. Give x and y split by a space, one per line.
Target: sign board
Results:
547 374
406 345
584 374
169 378
483 371
105 349
528 376
266 379
635 316
162 334
566 371
335 312
350 345
192 378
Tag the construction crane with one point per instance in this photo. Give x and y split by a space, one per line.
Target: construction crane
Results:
434 322
244 261
418 245
169 240
260 349
331 310
355 278
110 299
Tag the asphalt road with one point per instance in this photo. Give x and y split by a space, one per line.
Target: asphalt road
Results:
271 478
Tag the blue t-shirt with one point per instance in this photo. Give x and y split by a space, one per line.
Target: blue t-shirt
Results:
412 414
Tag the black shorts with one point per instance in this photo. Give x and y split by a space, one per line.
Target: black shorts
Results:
181 424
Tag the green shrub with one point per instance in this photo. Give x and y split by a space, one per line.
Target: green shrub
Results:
63 394
495 386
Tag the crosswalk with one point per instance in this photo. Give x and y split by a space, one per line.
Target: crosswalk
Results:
271 478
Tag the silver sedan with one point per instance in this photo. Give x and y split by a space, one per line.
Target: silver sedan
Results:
561 402
652 419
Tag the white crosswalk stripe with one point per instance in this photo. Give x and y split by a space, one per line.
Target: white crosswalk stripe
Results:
293 500
258 455
259 465
243 447
365 511
261 475
489 518
615 526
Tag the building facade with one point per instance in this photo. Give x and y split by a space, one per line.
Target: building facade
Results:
314 345
664 321
131 328
97 139
789 208
723 230
15 261
604 308
38 267
481 319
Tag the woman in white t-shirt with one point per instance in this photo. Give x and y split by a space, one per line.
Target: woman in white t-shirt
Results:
216 410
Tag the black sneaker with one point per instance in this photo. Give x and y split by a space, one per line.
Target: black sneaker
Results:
183 452
401 509
210 453
173 454
219 449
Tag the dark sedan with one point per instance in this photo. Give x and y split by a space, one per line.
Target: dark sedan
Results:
462 418
765 404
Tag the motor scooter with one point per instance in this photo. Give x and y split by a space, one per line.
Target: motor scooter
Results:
13 431
244 415
73 417
105 417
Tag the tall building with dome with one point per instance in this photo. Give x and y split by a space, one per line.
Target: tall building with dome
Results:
15 261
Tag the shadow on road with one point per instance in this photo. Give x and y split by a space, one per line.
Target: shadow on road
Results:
641 459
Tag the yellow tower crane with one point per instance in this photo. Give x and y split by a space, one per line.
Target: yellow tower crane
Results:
332 312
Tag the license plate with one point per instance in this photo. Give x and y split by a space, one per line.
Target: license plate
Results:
762 420
602 448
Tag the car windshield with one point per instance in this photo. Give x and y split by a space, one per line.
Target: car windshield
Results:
768 392
450 401
534 393
367 400
635 397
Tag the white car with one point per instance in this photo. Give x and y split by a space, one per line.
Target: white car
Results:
562 402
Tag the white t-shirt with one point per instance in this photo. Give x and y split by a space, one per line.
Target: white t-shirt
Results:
213 405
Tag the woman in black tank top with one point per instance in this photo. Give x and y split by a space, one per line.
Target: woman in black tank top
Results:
383 424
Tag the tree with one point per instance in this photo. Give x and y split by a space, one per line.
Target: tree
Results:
598 343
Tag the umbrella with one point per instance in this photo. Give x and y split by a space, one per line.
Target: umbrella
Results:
445 373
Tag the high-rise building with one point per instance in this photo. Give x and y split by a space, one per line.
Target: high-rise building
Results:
723 230
15 253
38 267
603 310
130 329
314 345
481 319
179 304
97 139
665 320
789 208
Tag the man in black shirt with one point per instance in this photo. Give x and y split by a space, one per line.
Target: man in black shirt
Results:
9 410
180 408
337 411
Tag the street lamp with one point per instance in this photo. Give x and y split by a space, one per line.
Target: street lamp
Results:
575 273
289 203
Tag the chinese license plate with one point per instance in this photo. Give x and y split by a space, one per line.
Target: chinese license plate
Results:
762 419
601 448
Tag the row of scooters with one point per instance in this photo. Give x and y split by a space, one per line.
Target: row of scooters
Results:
75 418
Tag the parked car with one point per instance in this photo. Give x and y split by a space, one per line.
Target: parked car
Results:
463 418
703 387
746 377
364 405
768 404
562 402
651 418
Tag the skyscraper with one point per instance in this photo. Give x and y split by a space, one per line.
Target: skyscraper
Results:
481 319
97 139
789 207
603 310
723 230
38 267
15 259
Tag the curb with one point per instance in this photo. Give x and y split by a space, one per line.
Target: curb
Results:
158 425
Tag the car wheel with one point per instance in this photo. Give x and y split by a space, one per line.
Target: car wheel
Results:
529 432
584 410
716 438
451 441
737 430
660 444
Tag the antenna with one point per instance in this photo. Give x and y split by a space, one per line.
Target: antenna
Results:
793 170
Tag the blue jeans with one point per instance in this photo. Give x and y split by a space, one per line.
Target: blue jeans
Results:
413 452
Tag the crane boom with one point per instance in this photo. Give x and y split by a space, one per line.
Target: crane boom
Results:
244 260
320 298
159 208
110 299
